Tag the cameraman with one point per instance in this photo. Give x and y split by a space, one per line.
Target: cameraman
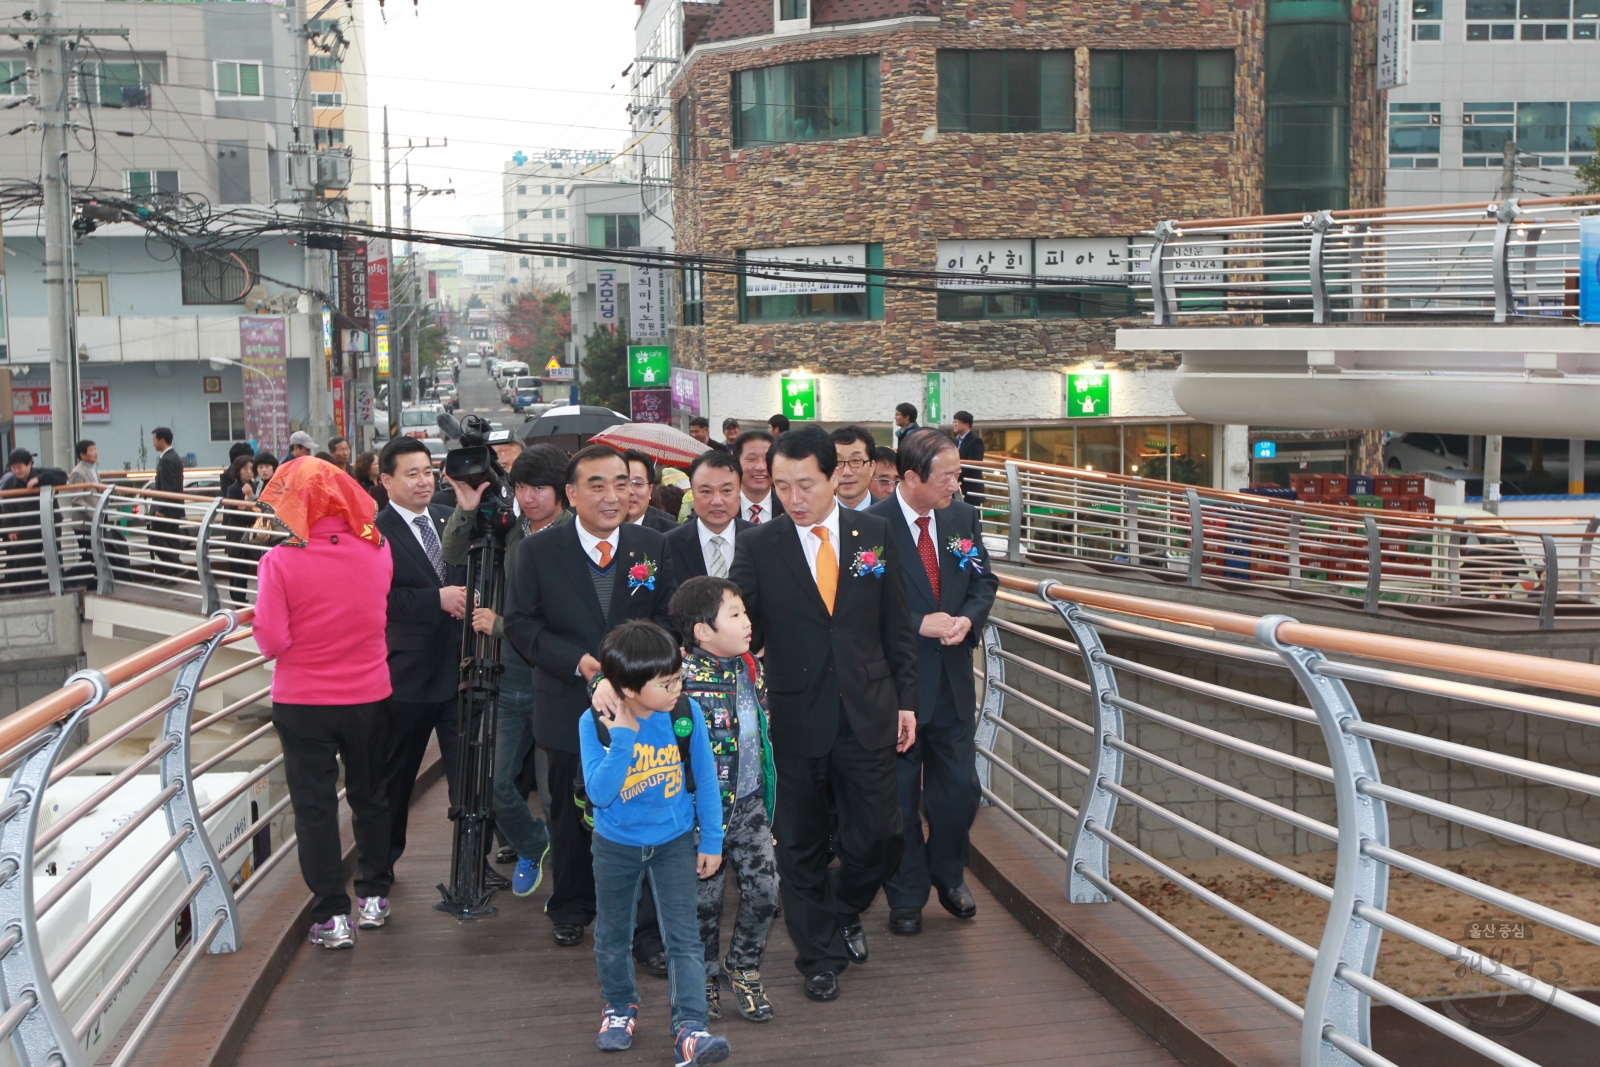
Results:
538 478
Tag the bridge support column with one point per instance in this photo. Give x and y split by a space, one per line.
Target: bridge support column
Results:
1233 459
1575 472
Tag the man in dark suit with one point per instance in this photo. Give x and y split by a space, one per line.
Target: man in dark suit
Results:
969 446
823 590
641 483
700 430
571 585
169 479
757 502
949 589
427 601
704 545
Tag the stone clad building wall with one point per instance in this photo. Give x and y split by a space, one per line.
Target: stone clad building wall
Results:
915 185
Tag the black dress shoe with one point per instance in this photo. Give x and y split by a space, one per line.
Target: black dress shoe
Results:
855 942
907 922
567 935
507 854
824 986
655 963
958 901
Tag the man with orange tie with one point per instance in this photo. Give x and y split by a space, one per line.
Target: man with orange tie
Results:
824 593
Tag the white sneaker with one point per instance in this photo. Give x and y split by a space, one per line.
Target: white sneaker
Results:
374 911
335 933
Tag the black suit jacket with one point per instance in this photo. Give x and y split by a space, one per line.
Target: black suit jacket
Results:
658 520
169 479
861 659
962 591
683 548
424 640
553 616
971 447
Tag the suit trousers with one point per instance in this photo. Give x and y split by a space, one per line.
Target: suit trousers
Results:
409 727
315 738
938 775
818 900
164 540
571 900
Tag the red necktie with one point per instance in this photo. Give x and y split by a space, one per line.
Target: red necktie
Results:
930 558
755 514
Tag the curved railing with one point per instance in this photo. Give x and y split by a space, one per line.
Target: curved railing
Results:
91 888
1098 737
1510 573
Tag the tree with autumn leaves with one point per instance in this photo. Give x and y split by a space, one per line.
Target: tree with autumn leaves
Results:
538 326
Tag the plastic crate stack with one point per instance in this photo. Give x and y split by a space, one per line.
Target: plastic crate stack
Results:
1385 492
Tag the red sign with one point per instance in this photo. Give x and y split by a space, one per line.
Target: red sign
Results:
378 275
650 405
32 402
338 407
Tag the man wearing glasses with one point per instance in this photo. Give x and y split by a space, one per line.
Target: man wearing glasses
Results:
855 445
885 473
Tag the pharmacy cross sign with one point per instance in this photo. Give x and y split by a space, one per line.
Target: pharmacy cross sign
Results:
648 366
1088 396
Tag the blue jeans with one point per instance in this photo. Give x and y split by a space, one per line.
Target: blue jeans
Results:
513 734
618 870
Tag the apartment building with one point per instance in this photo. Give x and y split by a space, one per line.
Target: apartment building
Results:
535 193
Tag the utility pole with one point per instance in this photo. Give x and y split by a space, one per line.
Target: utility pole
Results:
54 60
316 260
1508 170
396 378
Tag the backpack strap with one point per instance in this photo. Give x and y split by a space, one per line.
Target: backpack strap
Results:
683 729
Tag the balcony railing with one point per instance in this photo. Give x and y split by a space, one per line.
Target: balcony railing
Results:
1504 261
1481 571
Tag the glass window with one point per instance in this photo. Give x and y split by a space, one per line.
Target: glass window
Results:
1490 10
821 100
1545 9
613 231
1053 445
1012 443
1485 128
1144 450
1189 461
545 190
119 84
1586 9
1100 448
218 276
1542 127
149 182
1427 10
238 79
993 92
857 307
560 189
13 77
789 10
1413 130
1581 129
1307 116
522 190
683 116
561 213
1151 92
548 214
692 283
227 420
522 212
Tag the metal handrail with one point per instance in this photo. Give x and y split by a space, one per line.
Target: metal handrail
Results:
1022 743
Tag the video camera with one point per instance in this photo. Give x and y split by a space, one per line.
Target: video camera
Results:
475 463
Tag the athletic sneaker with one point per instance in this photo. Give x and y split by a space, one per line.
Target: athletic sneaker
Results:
751 995
616 1028
374 912
529 874
713 998
335 933
696 1047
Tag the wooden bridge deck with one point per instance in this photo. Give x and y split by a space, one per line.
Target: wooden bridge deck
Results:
426 990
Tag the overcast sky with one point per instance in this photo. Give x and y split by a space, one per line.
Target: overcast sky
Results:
493 76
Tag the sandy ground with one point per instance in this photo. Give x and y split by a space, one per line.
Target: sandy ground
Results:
1416 971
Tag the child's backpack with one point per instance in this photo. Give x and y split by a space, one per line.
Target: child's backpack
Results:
682 729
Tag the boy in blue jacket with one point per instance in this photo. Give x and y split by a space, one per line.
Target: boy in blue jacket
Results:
649 775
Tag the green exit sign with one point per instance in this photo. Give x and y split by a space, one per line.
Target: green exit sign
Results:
1088 395
648 366
799 399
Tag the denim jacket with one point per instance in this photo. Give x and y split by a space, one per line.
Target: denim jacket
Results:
715 689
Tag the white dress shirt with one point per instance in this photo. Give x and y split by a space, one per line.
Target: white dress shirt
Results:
765 504
811 543
912 515
866 502
411 518
706 534
591 543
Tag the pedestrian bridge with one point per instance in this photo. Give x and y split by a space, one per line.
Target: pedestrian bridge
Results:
1264 784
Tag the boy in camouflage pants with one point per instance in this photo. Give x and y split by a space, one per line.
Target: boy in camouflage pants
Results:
727 683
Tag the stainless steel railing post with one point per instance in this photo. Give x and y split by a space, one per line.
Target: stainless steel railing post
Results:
197 857
1319 224
105 581
994 703
1552 583
1505 214
1197 538
210 599
1164 303
1014 531
1098 806
1586 556
47 538
39 1033
1359 881
1374 565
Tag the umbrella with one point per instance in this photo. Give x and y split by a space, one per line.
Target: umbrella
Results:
572 420
660 442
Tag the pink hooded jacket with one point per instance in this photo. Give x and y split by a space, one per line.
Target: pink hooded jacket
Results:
321 610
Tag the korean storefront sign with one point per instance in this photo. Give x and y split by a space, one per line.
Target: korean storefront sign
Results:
772 282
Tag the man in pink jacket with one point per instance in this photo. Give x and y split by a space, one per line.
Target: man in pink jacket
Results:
321 610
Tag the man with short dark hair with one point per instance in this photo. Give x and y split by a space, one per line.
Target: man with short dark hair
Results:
757 503
855 445
778 424
885 473
641 484
704 545
169 479
970 447
730 433
87 470
427 601
572 584
905 421
949 590
823 591
700 430
19 469
339 450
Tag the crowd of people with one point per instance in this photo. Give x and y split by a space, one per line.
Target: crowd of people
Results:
776 689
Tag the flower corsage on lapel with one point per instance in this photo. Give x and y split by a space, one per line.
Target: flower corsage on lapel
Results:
966 553
642 576
869 563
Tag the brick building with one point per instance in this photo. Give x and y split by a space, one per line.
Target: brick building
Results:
1031 139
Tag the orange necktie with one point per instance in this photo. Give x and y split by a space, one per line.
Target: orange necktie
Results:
827 568
604 548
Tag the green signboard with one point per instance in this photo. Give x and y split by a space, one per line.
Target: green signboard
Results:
648 366
936 398
799 399
1088 395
